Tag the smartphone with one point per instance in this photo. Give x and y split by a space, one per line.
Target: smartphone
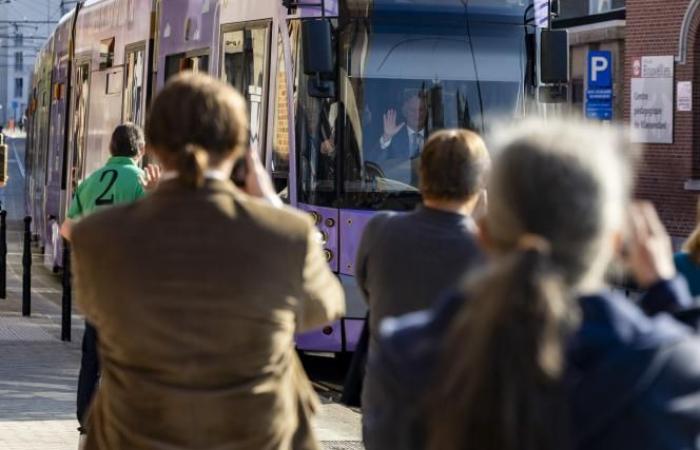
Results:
240 172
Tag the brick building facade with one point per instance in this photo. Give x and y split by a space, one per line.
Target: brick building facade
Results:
670 173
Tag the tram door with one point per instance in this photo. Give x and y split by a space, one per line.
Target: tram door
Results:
245 66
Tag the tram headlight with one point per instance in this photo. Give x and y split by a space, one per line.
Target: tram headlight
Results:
316 217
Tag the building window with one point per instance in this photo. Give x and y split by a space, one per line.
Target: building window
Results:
19 61
19 40
106 53
19 87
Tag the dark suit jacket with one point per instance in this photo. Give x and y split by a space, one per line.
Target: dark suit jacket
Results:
398 149
196 295
405 260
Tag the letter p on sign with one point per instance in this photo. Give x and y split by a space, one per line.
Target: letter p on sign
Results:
599 70
598 64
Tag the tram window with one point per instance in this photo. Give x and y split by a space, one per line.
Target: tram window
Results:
79 135
280 136
134 88
245 68
106 53
315 133
180 62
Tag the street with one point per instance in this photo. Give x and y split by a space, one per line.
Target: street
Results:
38 372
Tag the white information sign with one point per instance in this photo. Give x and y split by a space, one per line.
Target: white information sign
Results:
657 67
684 96
652 110
652 101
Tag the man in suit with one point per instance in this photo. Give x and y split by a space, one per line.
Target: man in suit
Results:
402 143
406 260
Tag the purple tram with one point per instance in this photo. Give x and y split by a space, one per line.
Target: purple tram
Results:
318 77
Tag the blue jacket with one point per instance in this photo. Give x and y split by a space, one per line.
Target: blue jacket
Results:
690 270
633 380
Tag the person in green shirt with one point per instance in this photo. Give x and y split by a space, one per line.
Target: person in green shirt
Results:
119 181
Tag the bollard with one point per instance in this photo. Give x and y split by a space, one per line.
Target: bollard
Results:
27 269
66 300
3 254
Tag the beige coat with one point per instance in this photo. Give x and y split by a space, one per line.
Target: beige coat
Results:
196 296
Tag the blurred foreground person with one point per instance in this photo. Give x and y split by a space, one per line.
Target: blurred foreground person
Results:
119 181
688 260
406 260
537 353
199 291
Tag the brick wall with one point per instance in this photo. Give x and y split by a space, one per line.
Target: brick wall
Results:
653 28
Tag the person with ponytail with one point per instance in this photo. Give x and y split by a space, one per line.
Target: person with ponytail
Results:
537 353
197 330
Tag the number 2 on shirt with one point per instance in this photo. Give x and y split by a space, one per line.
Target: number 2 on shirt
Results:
103 199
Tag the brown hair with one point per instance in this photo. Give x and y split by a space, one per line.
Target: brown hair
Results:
692 244
127 140
452 165
557 191
196 120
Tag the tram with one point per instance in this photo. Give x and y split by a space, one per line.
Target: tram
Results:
319 77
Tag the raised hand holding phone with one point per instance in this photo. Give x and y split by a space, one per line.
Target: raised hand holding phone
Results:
257 181
649 250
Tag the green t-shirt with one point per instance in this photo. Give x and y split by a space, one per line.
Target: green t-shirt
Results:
119 181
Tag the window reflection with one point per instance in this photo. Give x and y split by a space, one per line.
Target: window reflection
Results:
181 62
280 137
245 62
400 84
316 138
133 91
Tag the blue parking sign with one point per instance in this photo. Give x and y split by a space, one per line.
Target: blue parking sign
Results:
599 92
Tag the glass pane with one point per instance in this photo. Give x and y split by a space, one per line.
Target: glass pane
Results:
80 126
245 67
403 81
175 64
280 137
315 130
133 92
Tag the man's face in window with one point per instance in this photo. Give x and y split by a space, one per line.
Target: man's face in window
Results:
415 111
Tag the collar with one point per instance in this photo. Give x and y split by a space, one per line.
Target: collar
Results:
121 161
411 131
208 174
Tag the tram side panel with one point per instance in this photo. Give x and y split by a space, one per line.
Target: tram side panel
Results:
50 236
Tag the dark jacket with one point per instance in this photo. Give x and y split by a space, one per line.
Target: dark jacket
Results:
405 261
633 380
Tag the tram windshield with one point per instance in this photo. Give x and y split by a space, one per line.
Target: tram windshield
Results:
400 81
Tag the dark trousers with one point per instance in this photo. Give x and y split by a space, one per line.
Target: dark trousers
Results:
89 372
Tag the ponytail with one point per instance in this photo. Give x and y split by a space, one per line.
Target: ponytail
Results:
192 163
499 385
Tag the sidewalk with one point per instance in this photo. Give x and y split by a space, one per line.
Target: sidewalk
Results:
38 372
